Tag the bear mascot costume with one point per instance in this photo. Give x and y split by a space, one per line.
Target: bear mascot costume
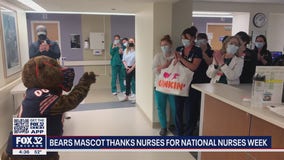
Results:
45 80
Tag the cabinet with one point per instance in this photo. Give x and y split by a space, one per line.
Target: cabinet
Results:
260 127
222 119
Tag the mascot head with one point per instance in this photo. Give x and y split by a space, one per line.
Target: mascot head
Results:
45 72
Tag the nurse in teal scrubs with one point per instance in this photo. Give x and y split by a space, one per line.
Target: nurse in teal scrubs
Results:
116 65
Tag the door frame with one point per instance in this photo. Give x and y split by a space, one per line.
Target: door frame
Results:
207 24
44 22
216 24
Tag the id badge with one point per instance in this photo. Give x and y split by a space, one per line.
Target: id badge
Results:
218 76
190 59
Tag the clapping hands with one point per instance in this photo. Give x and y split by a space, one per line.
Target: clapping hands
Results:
44 47
219 58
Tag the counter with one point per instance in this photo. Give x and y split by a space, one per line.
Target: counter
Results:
18 93
225 113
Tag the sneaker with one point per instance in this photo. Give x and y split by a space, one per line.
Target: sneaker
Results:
132 96
114 93
133 102
172 128
124 99
163 132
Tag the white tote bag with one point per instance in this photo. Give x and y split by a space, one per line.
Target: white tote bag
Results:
175 80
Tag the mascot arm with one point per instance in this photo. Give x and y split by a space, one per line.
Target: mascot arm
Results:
77 95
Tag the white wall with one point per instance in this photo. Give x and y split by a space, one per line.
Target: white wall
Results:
6 112
182 19
144 31
162 23
252 9
162 26
240 21
23 36
23 44
275 32
151 24
7 83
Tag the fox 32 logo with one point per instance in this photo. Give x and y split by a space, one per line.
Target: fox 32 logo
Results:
30 141
29 145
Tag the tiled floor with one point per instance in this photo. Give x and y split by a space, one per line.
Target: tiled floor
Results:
99 95
120 121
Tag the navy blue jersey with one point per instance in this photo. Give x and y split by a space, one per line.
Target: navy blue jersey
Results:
204 66
250 62
37 103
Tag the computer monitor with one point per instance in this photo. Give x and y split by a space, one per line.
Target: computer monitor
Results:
275 54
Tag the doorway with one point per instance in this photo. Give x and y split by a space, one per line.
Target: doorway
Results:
216 33
53 30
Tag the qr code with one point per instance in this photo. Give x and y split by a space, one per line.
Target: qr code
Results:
29 126
21 125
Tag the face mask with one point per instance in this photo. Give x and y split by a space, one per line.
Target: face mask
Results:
200 42
125 44
232 49
116 41
259 44
42 37
185 42
165 50
68 78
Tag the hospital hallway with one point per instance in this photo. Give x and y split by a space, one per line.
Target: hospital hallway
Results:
101 114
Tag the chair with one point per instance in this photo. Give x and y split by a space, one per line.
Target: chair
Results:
279 61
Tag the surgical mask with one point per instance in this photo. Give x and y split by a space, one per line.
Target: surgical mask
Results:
68 78
116 41
125 44
259 44
185 42
232 49
42 37
166 50
200 42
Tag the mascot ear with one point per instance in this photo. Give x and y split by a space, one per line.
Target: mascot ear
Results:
42 72
29 76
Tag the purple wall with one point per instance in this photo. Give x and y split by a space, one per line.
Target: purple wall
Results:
200 22
123 25
69 24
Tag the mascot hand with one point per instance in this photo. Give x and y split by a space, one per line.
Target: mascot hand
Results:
88 77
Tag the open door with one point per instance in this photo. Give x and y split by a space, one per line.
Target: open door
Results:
216 32
53 30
